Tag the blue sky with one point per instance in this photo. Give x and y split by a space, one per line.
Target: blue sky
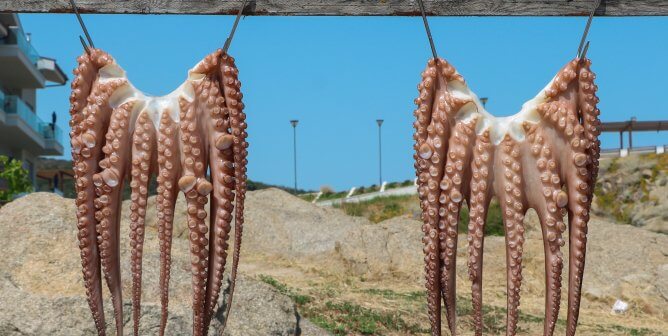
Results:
337 75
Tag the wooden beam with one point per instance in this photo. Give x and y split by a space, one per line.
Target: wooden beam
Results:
346 7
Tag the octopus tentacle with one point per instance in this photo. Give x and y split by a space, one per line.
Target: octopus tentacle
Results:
143 143
428 174
451 197
168 173
231 88
195 186
574 115
481 192
581 189
432 130
84 160
108 185
117 131
549 209
578 216
551 143
222 198
509 188
592 125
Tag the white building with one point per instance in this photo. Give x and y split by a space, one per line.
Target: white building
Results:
23 135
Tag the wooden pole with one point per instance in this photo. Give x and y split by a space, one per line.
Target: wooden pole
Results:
346 7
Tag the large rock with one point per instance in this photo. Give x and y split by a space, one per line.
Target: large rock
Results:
633 190
280 225
42 292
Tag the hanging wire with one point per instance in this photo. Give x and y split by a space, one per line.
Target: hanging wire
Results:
83 27
228 41
426 27
582 52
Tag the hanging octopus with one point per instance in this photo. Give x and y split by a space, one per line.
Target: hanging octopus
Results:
119 133
545 157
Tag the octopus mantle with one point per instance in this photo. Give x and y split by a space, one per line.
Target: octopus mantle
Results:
118 133
545 157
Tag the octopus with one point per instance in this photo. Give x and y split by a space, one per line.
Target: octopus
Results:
545 157
118 134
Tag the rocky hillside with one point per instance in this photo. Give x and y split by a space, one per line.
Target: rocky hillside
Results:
634 190
319 251
345 274
41 288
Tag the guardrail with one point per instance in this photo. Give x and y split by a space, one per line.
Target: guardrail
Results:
18 37
623 152
51 132
15 105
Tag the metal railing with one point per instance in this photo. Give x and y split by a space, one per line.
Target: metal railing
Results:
17 36
51 132
14 105
622 152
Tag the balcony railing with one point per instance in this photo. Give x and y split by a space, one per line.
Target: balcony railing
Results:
51 132
14 105
18 37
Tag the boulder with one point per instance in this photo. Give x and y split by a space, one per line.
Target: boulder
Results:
42 292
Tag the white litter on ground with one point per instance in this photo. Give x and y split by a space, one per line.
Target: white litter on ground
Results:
620 307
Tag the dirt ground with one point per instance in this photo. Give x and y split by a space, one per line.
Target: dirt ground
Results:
623 262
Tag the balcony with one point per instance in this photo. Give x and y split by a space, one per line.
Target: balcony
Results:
21 126
19 61
51 71
53 138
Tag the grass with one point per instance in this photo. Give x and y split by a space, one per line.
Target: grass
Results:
308 197
346 317
332 195
609 202
417 296
383 208
625 330
620 201
345 309
343 318
282 288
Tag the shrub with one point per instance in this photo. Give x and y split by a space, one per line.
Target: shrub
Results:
16 177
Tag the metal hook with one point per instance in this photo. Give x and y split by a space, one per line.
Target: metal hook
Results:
426 27
83 26
586 31
228 41
85 46
584 51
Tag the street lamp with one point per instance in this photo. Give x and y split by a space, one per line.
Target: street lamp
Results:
294 123
484 100
380 155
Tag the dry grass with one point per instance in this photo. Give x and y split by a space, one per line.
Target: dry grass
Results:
346 305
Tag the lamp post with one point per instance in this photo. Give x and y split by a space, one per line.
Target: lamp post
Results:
294 123
484 100
380 155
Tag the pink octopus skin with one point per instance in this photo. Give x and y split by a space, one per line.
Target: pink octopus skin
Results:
110 144
551 169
